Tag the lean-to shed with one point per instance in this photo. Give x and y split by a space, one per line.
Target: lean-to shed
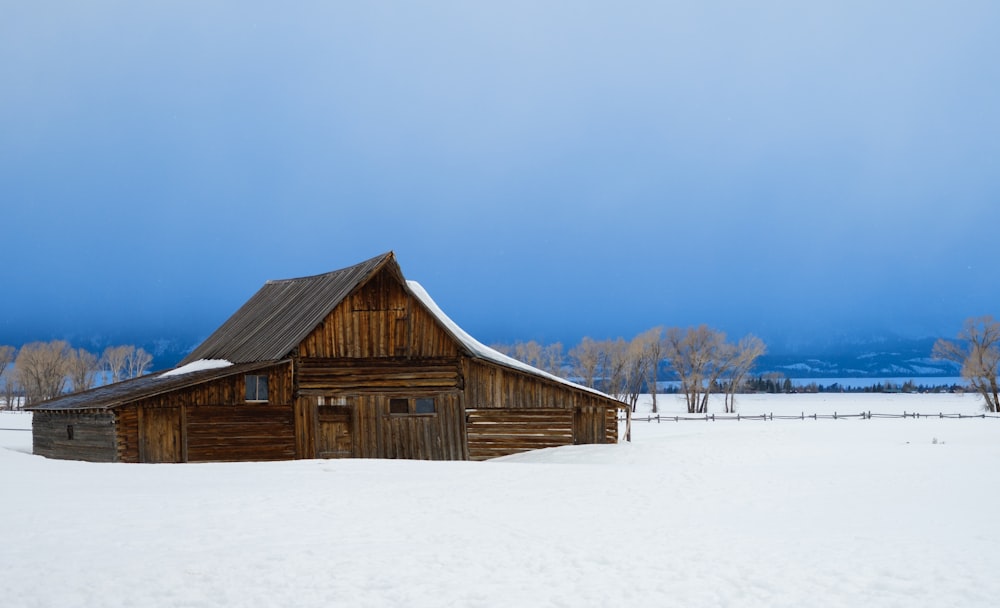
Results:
356 363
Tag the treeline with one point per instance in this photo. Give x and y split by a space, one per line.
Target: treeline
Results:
778 383
44 370
703 363
699 357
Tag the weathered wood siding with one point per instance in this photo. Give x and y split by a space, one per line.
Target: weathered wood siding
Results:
86 436
355 376
498 432
366 429
379 320
241 432
510 412
491 386
211 421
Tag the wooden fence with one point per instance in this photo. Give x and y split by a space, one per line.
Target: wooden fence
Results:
802 416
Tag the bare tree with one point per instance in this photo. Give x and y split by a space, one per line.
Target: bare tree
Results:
41 369
546 358
614 358
978 352
652 353
7 354
695 355
552 359
746 353
11 392
137 362
82 368
115 361
641 355
585 359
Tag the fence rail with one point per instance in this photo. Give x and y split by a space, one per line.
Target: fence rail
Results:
802 416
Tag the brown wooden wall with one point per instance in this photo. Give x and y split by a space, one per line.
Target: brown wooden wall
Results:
210 421
364 428
93 435
355 376
488 385
379 320
497 432
554 413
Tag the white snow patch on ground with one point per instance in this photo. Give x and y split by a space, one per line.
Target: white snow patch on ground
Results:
197 366
884 512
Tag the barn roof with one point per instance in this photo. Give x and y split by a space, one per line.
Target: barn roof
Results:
110 396
268 327
282 313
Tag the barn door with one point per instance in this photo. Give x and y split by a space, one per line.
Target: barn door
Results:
334 437
160 435
588 425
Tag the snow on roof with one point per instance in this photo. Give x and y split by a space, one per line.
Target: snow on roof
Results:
479 349
196 366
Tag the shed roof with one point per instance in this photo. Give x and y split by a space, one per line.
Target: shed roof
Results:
111 396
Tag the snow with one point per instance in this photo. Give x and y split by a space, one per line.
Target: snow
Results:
883 512
476 347
196 366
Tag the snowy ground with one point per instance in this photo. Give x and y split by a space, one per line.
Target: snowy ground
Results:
779 513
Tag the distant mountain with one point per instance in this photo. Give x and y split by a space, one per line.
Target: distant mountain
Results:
881 356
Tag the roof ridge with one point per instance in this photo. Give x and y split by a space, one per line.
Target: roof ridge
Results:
379 257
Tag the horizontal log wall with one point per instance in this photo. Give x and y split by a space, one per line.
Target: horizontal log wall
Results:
127 433
228 394
494 432
93 435
491 386
356 376
379 320
611 425
244 432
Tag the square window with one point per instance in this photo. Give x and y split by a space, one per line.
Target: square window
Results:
424 405
399 406
256 388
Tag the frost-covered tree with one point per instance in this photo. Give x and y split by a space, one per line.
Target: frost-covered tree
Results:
978 352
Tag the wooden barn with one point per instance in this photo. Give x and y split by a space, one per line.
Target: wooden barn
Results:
355 363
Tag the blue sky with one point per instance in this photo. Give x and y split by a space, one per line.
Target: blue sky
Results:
546 170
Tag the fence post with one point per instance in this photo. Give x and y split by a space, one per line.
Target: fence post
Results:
835 415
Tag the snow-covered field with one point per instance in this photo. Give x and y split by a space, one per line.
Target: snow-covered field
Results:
883 512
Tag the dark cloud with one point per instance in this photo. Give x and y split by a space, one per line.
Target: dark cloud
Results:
547 170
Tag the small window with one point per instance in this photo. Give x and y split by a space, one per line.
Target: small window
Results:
256 388
422 405
69 431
